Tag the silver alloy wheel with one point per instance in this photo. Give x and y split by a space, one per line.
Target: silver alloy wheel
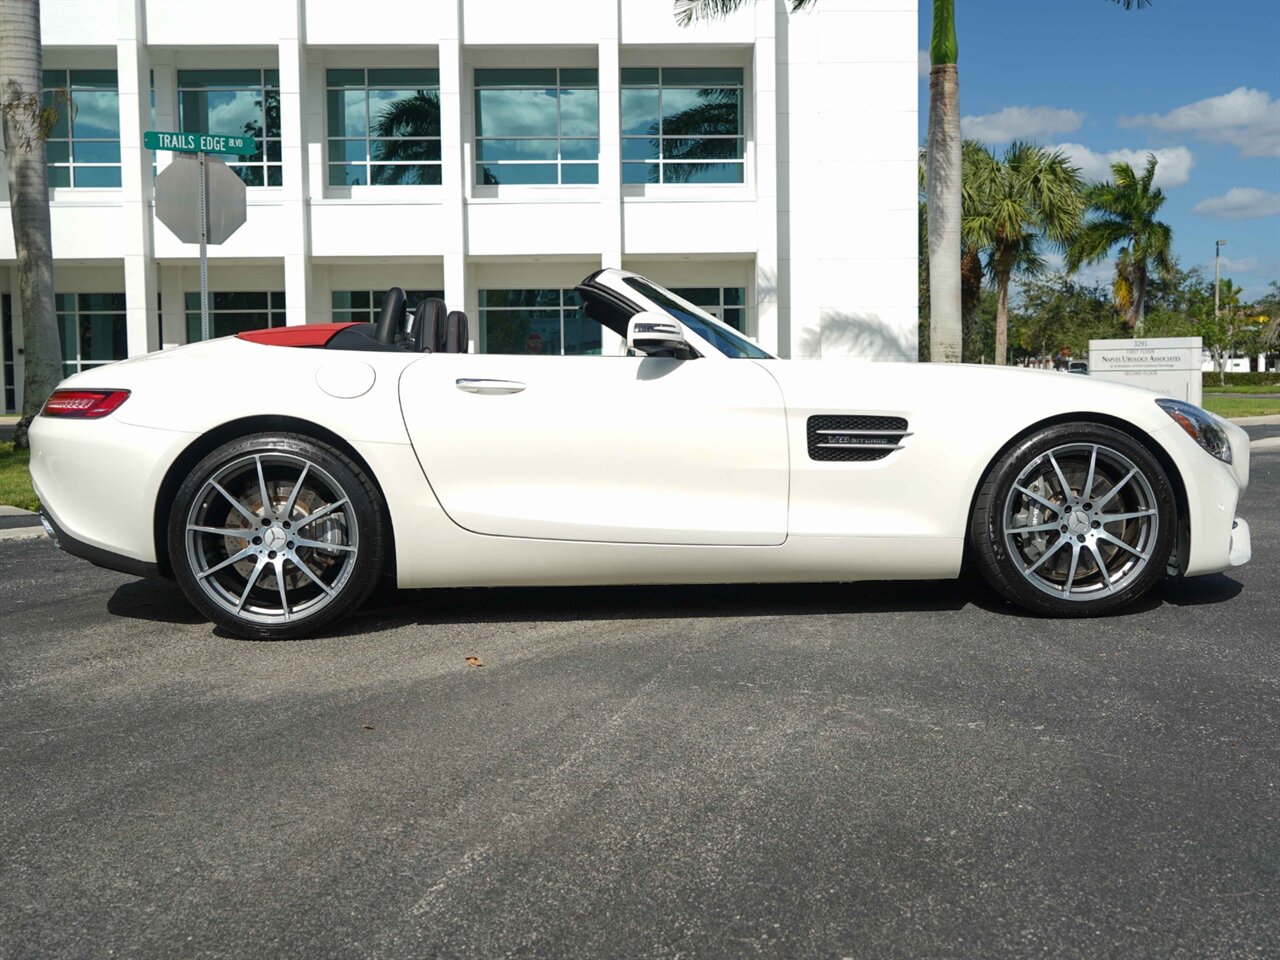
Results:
1081 521
271 538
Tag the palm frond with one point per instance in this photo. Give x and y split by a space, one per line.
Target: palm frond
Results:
689 11
1132 4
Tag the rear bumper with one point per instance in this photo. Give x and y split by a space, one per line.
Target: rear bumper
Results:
96 555
97 482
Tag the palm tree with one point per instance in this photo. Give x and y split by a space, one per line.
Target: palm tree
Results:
1012 206
1123 211
715 113
415 116
971 271
943 158
27 122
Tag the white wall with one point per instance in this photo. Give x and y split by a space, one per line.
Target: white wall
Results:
823 229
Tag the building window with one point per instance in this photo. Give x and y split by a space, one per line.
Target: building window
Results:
536 322
723 303
231 312
6 353
682 125
84 144
537 126
362 306
384 127
236 103
92 328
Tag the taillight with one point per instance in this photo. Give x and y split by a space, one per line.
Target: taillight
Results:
83 404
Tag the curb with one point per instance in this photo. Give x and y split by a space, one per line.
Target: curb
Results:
1267 421
23 533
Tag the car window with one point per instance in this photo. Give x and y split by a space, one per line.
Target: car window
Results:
722 338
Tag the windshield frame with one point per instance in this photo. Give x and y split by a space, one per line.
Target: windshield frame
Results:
746 349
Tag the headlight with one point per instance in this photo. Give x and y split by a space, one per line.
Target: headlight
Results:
1200 427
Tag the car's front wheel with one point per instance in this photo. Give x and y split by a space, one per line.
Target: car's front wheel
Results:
275 535
1076 520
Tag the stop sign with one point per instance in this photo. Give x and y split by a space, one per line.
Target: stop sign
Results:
533 343
178 204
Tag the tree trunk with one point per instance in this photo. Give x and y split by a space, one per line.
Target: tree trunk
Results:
943 189
1139 297
24 162
1004 267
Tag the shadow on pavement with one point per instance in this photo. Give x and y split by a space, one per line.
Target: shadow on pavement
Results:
162 601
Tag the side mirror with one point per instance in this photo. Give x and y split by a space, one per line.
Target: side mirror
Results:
656 334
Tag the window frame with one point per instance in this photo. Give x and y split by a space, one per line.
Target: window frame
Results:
73 361
368 162
275 310
560 162
743 86
718 308
265 143
568 305
71 164
8 356
370 314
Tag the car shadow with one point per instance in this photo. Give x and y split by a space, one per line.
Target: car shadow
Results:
162 601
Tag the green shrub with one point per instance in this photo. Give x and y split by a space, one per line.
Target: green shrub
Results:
1251 379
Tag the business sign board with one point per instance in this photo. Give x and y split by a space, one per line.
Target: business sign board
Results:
1167 365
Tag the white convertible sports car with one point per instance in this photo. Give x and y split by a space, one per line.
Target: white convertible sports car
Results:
279 474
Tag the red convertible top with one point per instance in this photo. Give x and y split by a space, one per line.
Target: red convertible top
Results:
302 335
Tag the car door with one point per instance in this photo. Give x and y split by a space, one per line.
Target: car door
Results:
615 449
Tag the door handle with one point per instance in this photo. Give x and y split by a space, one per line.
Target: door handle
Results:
489 387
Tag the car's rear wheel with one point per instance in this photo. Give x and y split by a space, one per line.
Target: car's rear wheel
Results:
1076 520
275 535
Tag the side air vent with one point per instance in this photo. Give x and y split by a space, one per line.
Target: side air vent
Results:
845 438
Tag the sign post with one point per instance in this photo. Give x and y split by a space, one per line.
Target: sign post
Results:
219 195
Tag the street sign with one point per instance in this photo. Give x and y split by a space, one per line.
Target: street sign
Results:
199 143
201 200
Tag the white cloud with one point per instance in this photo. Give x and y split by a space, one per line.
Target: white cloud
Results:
1240 203
1247 119
1017 123
925 63
1241 265
1173 164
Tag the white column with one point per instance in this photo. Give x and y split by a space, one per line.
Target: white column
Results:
173 302
610 147
455 170
296 237
765 116
133 71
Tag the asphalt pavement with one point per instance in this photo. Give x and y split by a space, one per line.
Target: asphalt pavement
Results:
874 770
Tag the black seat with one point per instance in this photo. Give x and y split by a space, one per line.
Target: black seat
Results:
456 334
391 319
428 330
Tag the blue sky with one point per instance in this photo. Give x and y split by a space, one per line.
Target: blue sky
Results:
1195 81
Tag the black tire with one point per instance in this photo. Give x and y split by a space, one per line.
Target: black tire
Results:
296 482
1053 568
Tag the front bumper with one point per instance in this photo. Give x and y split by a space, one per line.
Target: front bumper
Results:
1241 548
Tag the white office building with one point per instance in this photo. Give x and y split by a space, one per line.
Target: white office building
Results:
494 152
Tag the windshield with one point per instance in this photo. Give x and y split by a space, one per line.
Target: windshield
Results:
721 337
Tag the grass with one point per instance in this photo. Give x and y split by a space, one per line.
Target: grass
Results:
1264 388
1242 406
15 480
